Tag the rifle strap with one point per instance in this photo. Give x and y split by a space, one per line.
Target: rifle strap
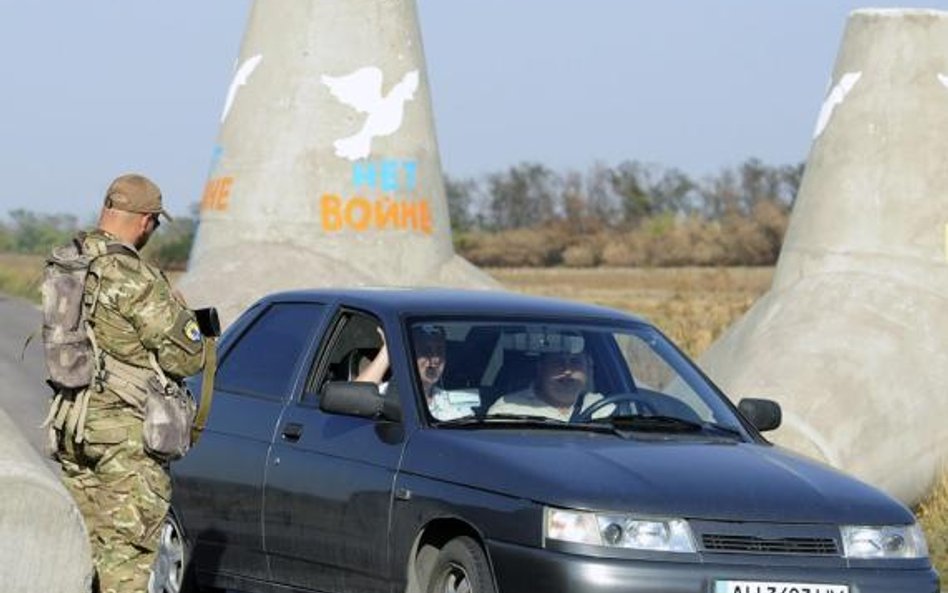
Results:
207 389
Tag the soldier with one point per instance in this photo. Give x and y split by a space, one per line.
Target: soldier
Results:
140 328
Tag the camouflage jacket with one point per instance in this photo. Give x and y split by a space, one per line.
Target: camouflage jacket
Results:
135 312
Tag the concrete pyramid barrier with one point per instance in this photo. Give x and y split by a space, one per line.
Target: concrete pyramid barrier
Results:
45 546
326 171
852 338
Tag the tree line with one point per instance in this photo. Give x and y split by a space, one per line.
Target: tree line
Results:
36 233
630 214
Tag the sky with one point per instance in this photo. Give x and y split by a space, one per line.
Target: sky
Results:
96 88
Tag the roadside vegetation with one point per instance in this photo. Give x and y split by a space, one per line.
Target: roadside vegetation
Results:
933 515
632 214
20 275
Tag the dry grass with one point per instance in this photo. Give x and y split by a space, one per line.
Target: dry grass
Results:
692 305
933 515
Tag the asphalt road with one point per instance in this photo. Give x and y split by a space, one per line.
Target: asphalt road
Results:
23 393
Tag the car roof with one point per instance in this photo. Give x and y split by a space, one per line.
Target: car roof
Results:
447 301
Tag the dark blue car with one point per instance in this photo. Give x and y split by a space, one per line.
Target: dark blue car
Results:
449 441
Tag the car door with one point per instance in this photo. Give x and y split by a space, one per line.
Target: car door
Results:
218 488
330 478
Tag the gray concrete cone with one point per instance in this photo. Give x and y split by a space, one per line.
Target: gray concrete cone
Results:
44 545
326 172
852 338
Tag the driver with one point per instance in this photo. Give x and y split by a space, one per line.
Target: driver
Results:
559 390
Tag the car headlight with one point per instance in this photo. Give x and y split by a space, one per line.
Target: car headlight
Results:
889 541
618 530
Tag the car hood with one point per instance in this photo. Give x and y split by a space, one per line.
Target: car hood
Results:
687 477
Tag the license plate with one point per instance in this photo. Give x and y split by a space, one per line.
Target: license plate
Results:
771 587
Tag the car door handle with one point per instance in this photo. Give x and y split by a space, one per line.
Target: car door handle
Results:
292 432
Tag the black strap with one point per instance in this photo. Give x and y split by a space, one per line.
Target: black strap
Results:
578 407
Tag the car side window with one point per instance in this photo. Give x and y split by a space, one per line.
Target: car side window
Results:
263 360
354 343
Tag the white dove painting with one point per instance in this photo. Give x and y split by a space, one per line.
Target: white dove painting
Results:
835 99
241 76
362 90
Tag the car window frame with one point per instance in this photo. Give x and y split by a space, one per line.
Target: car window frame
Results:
319 357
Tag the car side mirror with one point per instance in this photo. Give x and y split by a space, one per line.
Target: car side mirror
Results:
358 398
764 414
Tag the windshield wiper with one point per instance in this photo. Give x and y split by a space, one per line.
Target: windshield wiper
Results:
728 430
640 423
520 420
619 425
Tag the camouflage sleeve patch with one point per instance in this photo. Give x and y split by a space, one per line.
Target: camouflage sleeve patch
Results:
186 333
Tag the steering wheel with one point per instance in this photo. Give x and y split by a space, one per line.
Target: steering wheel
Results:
642 405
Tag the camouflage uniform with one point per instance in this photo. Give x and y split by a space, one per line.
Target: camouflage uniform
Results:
122 492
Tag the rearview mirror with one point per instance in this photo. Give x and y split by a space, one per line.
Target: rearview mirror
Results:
764 414
358 398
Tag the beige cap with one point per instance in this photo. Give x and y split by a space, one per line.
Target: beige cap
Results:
135 193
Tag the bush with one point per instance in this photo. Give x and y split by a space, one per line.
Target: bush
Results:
580 256
170 247
625 250
515 248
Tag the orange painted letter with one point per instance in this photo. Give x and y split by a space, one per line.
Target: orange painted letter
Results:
332 217
358 221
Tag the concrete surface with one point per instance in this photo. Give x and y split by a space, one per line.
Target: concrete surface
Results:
852 338
43 541
326 171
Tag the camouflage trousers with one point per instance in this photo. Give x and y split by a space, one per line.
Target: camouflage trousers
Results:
122 492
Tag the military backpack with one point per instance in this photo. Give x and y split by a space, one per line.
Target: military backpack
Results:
67 337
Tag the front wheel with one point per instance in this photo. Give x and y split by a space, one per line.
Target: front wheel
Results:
170 572
461 567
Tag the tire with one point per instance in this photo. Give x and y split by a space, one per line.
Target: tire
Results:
171 572
461 567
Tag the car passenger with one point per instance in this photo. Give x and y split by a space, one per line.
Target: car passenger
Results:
429 346
559 391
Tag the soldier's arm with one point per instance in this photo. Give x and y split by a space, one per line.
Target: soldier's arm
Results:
164 325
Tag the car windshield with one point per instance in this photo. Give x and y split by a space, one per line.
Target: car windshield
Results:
479 372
